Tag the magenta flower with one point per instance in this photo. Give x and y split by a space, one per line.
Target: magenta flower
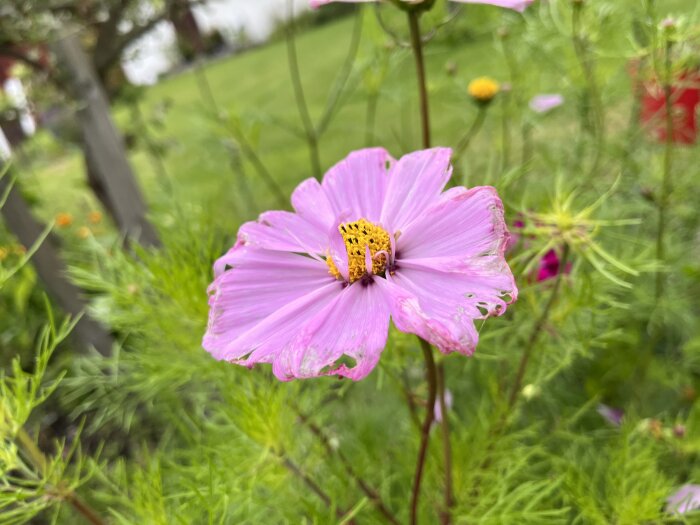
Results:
550 266
545 103
518 5
685 500
312 291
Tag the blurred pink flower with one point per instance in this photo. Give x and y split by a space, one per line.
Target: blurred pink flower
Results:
518 5
545 103
550 266
611 415
438 409
684 500
312 291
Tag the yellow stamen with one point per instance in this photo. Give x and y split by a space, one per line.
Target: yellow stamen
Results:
358 236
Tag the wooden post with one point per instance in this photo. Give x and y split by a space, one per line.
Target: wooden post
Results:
103 145
52 270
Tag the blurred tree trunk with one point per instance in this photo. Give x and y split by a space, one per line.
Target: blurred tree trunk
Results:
190 41
51 269
109 172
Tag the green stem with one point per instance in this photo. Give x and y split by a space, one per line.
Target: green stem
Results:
505 132
593 117
417 47
446 514
537 330
431 377
39 461
248 150
464 142
300 97
371 493
343 77
371 118
666 176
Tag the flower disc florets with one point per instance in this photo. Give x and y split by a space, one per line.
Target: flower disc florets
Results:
366 244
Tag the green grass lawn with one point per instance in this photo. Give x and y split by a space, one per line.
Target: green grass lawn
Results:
256 88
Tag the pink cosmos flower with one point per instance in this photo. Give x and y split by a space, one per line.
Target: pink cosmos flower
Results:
545 103
518 5
312 291
550 266
685 500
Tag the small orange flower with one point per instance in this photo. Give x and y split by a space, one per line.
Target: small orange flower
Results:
95 217
64 220
84 232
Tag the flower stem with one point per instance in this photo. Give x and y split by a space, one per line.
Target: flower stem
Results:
302 106
537 329
666 178
371 118
431 376
310 483
445 515
593 117
39 461
370 492
469 135
417 47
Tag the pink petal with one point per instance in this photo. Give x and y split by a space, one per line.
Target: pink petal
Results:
356 185
467 224
544 103
685 500
310 202
260 284
354 325
317 3
518 5
284 231
415 182
441 307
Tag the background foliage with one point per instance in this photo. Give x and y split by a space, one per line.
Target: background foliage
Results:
161 433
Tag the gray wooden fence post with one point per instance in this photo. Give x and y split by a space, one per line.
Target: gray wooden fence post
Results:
108 166
51 269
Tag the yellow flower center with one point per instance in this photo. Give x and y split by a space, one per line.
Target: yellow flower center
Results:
483 89
358 236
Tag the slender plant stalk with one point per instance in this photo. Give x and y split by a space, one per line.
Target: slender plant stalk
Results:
593 120
300 97
514 95
526 139
505 131
464 142
431 376
152 149
205 89
371 493
313 132
371 118
537 330
206 92
666 176
343 77
417 47
310 483
65 494
446 514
